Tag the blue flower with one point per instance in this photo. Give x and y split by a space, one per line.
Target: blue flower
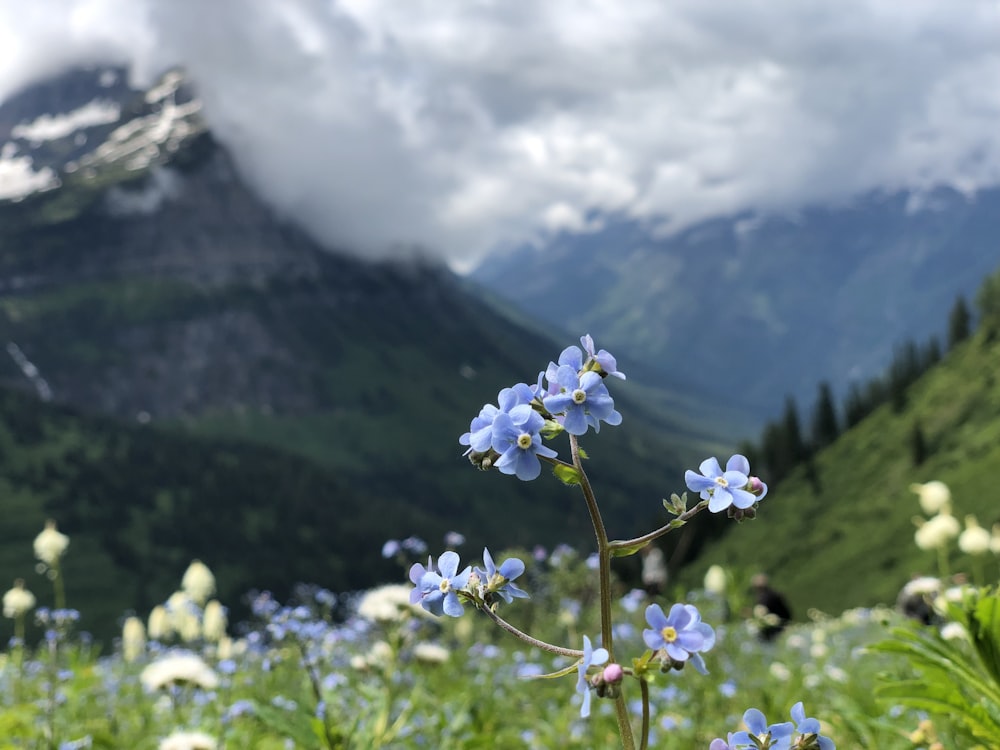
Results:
681 634
591 656
778 735
719 744
584 399
722 489
609 365
480 434
500 580
516 438
438 592
804 725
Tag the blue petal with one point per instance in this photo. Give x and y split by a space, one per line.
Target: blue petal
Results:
511 568
653 639
488 562
720 500
696 482
448 564
738 463
655 617
755 720
575 422
452 606
743 499
710 467
572 357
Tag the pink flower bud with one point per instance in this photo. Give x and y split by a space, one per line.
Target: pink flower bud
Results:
613 673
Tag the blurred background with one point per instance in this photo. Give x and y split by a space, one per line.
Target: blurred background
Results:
261 263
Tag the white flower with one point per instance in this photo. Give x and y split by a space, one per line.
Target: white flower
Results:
133 639
431 653
779 671
179 667
188 741
160 627
975 540
214 621
715 580
933 496
50 544
198 582
936 532
954 631
922 586
389 603
18 601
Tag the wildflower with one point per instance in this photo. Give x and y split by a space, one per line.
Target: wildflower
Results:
213 621
50 544
591 657
454 539
439 591
809 729
18 601
954 631
606 363
933 496
759 734
715 580
430 653
720 744
723 489
937 532
681 634
975 540
479 438
500 580
188 741
159 627
583 400
133 639
516 438
389 603
177 668
198 582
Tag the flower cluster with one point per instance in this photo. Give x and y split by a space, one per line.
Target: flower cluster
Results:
802 733
678 637
574 398
732 489
443 589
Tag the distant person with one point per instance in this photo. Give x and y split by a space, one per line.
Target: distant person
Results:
770 607
654 570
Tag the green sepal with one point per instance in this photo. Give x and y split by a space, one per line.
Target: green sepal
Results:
676 504
626 550
582 452
561 673
550 429
640 667
566 474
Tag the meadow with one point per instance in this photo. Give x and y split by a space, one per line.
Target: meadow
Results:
370 669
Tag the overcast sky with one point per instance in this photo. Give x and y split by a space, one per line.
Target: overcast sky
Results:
463 126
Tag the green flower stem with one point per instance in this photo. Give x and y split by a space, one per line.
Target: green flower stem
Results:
663 530
942 551
604 558
571 652
57 584
644 736
603 548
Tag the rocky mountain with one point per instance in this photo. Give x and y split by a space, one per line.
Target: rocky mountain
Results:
142 280
763 306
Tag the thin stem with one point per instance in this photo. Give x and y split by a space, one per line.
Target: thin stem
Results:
644 737
604 560
603 548
528 639
665 529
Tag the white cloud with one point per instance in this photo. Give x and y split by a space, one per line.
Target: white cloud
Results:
464 125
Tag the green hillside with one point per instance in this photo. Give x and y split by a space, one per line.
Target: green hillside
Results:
845 537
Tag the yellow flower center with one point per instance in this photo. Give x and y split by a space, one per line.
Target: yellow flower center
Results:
524 441
721 481
669 634
445 586
579 396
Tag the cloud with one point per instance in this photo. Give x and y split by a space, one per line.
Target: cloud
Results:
462 126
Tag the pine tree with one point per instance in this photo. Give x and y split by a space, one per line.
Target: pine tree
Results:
825 426
959 323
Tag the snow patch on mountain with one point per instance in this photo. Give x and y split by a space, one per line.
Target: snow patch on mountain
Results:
18 178
53 127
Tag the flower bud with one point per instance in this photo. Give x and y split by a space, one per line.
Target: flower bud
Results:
613 673
755 486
